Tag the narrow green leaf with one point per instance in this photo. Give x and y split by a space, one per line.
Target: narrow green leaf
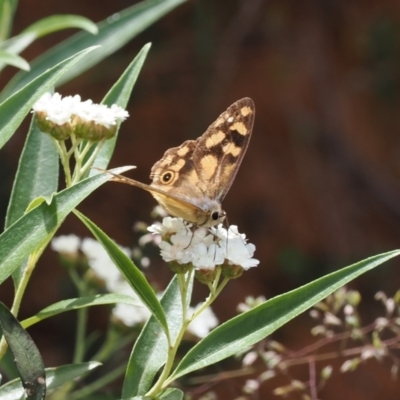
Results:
119 94
18 43
169 394
81 302
27 357
8 58
150 350
56 23
172 394
7 10
55 377
131 273
114 33
36 179
14 109
254 325
37 174
26 234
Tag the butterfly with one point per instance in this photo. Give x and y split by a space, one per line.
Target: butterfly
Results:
191 180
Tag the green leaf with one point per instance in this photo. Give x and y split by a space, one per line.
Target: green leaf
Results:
254 325
131 273
56 23
81 302
17 44
31 230
9 58
172 394
15 108
119 94
169 394
27 357
37 174
36 179
7 10
55 377
114 32
150 350
14 46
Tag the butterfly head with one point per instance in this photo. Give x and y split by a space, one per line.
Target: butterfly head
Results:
214 216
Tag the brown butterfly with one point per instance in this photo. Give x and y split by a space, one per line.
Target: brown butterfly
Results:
191 181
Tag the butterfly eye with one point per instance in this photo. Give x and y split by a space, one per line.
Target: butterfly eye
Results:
166 177
215 215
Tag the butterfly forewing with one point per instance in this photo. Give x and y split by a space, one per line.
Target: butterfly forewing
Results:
219 152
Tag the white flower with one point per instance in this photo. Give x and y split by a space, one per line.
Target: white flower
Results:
203 249
85 110
249 303
100 113
249 358
126 313
207 257
238 252
57 109
131 315
106 270
203 323
67 244
42 103
101 263
178 248
169 225
62 110
251 386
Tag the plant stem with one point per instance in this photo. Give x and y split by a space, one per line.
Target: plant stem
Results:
82 315
96 385
64 158
163 380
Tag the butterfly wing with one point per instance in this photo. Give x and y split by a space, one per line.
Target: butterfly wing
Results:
190 181
219 152
173 203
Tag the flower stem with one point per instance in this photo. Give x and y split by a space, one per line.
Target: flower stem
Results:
82 315
64 158
163 380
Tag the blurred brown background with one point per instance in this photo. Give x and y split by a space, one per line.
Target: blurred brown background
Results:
319 187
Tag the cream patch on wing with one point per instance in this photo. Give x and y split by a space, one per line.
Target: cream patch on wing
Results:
183 151
240 127
245 111
230 148
215 138
178 165
209 164
219 121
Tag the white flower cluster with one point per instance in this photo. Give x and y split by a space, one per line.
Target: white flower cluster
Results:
204 249
104 268
61 110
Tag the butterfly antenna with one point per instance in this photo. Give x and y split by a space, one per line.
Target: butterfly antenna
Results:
115 177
